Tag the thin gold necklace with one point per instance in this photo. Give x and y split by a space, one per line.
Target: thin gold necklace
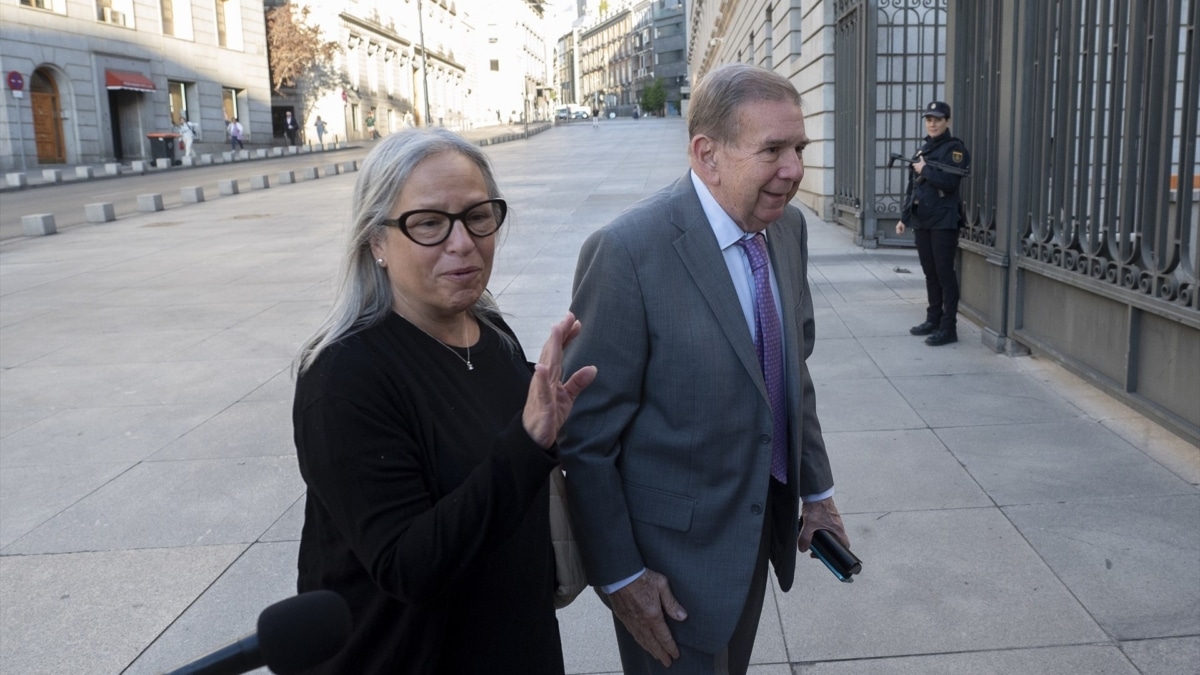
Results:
452 350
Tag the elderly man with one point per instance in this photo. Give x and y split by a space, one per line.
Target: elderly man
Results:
688 458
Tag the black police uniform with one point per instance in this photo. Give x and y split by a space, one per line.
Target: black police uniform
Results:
931 208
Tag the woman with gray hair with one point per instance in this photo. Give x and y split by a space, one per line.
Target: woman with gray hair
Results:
425 438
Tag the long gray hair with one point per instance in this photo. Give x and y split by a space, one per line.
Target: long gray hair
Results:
364 293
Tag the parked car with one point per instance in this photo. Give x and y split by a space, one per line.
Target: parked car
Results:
572 111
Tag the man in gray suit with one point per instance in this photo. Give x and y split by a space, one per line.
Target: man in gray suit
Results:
688 457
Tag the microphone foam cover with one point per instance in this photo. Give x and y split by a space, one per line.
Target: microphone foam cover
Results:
303 631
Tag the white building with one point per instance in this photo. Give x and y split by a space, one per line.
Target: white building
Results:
515 73
99 75
453 63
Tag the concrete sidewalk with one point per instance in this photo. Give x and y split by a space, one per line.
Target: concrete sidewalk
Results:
1010 517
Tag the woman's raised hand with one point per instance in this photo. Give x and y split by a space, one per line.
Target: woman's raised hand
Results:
550 398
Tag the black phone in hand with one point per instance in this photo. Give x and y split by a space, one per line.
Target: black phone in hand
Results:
839 559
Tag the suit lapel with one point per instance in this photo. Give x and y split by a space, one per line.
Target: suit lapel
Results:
785 248
698 250
785 261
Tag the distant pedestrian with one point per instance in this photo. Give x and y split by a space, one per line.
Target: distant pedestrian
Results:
595 118
235 135
290 127
188 133
320 127
932 205
371 130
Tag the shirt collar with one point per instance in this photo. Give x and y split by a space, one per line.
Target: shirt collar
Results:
726 231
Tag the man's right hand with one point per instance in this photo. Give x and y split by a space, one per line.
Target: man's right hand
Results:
641 606
900 227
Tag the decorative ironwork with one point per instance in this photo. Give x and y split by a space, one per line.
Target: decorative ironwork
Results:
911 71
976 116
849 110
1115 165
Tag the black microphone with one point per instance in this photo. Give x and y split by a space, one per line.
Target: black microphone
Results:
293 635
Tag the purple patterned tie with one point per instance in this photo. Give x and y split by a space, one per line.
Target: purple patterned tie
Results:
769 345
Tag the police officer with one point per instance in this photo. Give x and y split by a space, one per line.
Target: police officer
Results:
931 208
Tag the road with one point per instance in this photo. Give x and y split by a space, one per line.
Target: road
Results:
68 200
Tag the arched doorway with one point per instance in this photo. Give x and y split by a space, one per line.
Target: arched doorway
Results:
47 118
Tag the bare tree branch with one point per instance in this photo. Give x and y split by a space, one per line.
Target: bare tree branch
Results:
295 50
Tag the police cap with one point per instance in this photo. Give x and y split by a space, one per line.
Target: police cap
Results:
937 109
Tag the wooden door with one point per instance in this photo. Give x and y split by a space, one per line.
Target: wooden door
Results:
47 120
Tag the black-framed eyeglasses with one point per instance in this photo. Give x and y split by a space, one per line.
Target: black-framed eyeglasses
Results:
429 227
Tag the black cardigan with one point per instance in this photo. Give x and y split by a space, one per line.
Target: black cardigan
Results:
427 506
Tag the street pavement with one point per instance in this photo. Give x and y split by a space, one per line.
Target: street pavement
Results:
1010 517
71 196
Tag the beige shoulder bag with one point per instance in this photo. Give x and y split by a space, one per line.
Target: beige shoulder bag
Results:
568 563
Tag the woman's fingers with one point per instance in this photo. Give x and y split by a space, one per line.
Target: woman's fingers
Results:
572 331
550 399
580 380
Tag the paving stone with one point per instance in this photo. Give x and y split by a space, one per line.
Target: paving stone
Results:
957 577
1113 555
99 609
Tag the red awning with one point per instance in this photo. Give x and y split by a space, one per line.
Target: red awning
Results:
123 79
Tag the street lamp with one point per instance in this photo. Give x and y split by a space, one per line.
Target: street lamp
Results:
424 58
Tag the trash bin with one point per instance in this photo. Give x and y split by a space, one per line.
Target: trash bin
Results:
162 145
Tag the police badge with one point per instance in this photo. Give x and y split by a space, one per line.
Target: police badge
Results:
957 156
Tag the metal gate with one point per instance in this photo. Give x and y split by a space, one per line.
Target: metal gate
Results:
1095 238
889 62
1083 208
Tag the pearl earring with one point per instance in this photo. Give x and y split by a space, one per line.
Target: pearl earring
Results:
379 261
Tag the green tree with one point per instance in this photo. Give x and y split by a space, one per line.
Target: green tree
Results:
654 96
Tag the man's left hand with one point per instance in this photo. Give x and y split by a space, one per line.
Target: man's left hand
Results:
822 515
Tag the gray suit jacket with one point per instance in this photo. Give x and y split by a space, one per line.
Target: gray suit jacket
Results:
668 452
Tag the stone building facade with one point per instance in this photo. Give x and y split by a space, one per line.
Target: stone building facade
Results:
100 75
795 38
610 58
452 63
